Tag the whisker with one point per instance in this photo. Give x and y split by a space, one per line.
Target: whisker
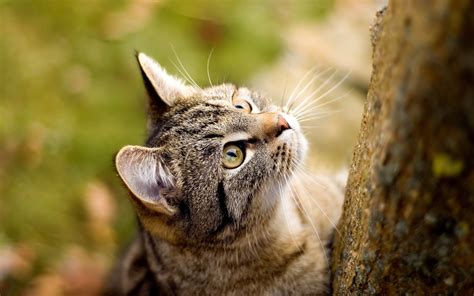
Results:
327 92
288 223
332 89
207 67
301 207
314 112
301 171
182 74
301 103
301 91
290 98
312 107
184 69
282 99
313 126
310 96
308 85
311 117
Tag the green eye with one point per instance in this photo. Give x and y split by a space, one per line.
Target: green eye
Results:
233 156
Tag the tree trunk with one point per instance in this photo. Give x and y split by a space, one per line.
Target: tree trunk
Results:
408 221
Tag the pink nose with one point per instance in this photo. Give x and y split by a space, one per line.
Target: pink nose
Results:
282 125
270 125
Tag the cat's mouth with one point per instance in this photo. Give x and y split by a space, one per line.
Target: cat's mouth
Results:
291 121
294 136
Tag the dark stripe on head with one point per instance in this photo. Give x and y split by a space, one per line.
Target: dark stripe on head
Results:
226 218
192 119
212 136
183 207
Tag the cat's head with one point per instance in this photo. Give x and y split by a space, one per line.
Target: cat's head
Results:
214 162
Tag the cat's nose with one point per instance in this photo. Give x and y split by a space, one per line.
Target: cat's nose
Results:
271 125
282 125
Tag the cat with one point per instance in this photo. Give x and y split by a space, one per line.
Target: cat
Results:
223 203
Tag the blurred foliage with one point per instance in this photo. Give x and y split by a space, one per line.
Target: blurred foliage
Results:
71 96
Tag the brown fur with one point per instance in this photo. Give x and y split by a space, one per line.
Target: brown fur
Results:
259 229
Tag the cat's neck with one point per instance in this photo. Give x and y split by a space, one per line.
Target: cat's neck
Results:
305 204
283 247
285 226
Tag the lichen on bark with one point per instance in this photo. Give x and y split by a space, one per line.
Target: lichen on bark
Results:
407 225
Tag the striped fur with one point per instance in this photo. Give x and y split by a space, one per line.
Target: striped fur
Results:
259 229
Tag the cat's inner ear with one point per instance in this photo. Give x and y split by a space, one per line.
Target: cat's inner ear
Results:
143 172
161 87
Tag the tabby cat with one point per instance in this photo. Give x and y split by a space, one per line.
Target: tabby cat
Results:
223 204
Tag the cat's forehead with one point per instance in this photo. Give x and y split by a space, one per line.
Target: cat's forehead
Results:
228 92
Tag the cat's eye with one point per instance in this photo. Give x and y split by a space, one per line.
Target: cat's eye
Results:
242 104
233 156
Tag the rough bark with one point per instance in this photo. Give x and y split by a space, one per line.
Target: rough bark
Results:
408 221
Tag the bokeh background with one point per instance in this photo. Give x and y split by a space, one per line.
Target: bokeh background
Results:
71 96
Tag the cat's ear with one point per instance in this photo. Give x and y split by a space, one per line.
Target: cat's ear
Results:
143 172
162 88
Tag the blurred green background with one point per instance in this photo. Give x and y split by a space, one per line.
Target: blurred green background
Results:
71 96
